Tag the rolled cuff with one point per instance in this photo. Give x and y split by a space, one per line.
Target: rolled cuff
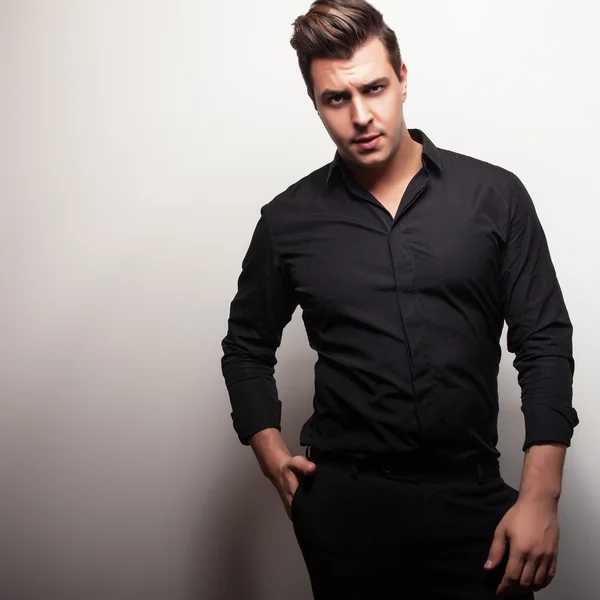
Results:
255 407
545 423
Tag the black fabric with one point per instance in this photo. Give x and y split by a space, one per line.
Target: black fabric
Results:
411 466
367 536
405 313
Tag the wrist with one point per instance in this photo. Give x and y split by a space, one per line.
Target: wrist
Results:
545 497
274 466
271 452
541 481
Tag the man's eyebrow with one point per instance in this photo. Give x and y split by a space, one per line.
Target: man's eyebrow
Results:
379 81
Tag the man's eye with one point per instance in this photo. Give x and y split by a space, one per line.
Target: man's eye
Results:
376 88
335 99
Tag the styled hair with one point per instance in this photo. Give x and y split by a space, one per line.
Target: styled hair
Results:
336 29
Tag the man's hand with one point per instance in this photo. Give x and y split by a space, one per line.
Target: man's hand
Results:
531 530
287 479
276 462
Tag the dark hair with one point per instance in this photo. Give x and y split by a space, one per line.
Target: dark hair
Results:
336 29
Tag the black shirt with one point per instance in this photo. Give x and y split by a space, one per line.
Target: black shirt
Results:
405 313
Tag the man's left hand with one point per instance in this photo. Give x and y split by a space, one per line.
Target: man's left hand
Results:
530 529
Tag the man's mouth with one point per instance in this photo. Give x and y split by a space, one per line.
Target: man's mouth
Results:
367 138
368 141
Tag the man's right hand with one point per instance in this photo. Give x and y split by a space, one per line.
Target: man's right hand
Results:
288 477
284 471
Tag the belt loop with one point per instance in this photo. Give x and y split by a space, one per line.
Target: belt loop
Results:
354 471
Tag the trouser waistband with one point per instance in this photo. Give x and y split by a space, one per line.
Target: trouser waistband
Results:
416 466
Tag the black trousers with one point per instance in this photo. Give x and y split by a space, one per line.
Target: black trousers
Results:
377 536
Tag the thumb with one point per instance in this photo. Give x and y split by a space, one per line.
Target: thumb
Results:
497 550
302 466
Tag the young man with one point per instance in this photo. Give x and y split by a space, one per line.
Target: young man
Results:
406 260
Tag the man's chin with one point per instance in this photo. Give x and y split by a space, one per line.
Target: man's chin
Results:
373 160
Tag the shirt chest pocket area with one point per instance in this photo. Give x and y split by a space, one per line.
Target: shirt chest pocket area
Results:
455 258
345 277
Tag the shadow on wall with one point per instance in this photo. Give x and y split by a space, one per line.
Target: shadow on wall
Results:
246 549
224 566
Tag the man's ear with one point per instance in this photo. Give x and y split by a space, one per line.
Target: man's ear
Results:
403 82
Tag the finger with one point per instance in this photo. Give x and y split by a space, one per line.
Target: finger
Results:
512 573
301 465
541 578
292 494
529 571
497 549
551 569
289 499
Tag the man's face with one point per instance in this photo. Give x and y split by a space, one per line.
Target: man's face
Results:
360 103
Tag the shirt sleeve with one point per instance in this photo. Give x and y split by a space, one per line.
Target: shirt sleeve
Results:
262 307
539 328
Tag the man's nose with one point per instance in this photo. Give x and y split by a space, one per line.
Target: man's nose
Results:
361 115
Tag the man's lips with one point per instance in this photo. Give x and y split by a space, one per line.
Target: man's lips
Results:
368 142
366 139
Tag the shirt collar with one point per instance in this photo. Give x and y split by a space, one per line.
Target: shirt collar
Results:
430 153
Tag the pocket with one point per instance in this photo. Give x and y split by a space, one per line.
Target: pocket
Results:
293 507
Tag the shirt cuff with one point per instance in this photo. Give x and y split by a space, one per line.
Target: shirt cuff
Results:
545 424
255 407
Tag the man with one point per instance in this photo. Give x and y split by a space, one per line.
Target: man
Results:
406 260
